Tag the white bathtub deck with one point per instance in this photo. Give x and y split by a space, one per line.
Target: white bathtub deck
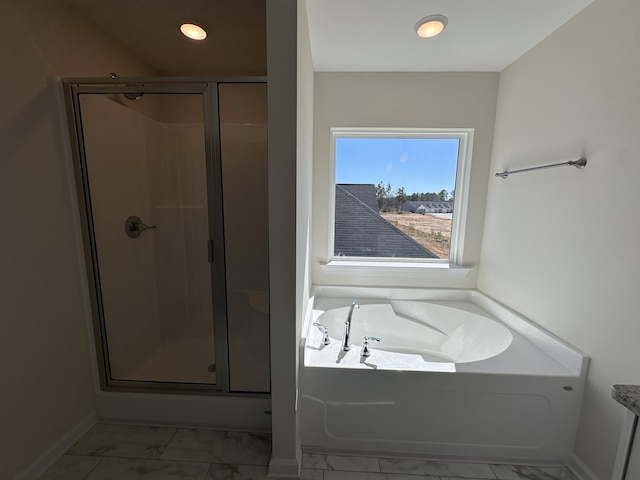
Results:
522 357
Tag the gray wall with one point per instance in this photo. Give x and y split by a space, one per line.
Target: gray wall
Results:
45 361
421 100
304 162
561 246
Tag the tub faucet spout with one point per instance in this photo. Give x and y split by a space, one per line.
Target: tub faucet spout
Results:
346 346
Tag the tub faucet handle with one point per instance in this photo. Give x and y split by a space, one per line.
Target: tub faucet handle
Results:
366 351
325 331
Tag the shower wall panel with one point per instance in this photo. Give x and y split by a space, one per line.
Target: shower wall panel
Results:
243 139
179 205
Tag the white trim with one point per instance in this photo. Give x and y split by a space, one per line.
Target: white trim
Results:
463 176
55 451
463 179
77 229
395 268
580 470
332 192
625 443
284 468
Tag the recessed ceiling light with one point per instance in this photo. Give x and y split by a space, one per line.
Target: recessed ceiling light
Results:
431 26
193 31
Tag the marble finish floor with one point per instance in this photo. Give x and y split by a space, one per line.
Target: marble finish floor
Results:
128 452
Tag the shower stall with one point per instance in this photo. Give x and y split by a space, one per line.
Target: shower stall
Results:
172 187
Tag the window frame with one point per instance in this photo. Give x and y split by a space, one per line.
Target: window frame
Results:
453 266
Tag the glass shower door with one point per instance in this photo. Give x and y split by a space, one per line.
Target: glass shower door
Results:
146 181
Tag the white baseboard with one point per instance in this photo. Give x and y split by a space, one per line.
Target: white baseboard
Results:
284 468
53 453
578 467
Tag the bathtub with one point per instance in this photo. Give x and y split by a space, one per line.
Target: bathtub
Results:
456 377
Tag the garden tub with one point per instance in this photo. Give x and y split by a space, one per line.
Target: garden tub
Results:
455 376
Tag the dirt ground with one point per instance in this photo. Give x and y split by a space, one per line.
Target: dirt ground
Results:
431 231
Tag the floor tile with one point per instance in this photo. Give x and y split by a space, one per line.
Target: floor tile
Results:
437 469
158 453
311 474
131 441
517 472
337 475
225 471
339 462
137 469
70 467
216 446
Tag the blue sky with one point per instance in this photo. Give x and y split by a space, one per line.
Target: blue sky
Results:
417 164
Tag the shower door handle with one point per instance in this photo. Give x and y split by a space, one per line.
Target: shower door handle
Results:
134 226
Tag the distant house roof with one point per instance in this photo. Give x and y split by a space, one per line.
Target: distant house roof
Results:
412 205
360 231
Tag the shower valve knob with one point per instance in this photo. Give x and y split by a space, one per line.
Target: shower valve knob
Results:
134 226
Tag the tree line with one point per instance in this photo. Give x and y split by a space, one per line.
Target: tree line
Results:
392 200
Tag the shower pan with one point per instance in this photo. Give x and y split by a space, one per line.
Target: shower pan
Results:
171 180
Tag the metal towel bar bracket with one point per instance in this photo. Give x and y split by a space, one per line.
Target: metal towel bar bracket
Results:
581 163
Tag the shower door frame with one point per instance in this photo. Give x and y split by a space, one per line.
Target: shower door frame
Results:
208 88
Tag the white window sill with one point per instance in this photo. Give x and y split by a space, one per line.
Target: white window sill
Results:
387 268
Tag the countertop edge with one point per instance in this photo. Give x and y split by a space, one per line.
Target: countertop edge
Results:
627 396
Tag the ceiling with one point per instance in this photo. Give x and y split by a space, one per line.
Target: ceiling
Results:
481 35
149 29
345 35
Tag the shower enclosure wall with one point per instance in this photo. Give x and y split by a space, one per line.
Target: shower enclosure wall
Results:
172 182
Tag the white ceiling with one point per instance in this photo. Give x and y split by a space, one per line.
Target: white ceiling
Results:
346 35
148 29
378 35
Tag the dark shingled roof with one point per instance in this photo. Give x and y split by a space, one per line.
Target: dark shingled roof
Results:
360 231
364 192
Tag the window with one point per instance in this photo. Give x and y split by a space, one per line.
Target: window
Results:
399 195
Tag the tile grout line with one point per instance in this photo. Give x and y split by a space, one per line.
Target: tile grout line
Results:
175 432
206 474
120 457
94 467
493 470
